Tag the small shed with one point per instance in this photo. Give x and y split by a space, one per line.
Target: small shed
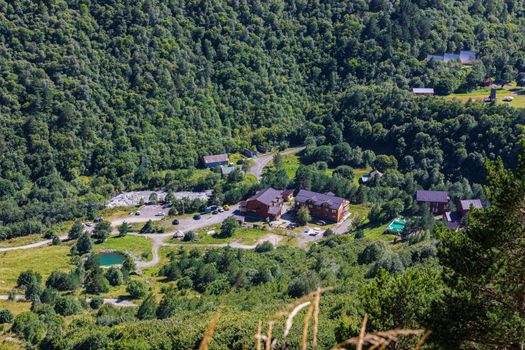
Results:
215 160
262 149
423 91
250 153
226 170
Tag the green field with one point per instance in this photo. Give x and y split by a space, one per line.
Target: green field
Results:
139 247
42 259
243 235
518 93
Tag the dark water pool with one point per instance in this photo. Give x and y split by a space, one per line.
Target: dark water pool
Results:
108 259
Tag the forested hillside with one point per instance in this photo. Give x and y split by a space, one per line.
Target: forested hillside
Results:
97 96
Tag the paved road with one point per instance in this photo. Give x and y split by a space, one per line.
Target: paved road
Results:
262 162
32 245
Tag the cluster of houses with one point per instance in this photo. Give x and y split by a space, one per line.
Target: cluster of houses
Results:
222 160
465 57
438 201
269 204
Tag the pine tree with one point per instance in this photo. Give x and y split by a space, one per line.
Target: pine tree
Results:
484 269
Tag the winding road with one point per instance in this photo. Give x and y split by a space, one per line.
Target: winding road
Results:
185 224
262 162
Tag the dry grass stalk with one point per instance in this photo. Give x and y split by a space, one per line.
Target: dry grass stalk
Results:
289 321
422 340
378 339
258 337
209 332
269 336
300 301
317 301
305 325
362 333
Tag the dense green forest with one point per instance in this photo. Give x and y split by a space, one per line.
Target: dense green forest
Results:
98 96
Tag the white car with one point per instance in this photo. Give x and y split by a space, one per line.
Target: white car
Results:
221 210
159 214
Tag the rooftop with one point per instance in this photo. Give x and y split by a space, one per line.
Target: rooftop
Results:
266 196
466 204
319 199
216 158
432 196
225 170
423 90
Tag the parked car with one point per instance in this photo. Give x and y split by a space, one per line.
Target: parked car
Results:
137 213
89 224
226 207
321 223
159 214
196 217
175 222
215 212
221 209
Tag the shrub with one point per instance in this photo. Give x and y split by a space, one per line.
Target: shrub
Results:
96 302
263 247
67 305
148 309
228 227
304 284
30 327
189 236
76 230
303 216
6 316
137 289
96 283
114 276
373 252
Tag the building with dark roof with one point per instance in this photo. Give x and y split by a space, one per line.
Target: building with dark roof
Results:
215 160
267 203
453 219
464 205
324 206
250 153
437 201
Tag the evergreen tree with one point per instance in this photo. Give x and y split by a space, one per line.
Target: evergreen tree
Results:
148 308
483 269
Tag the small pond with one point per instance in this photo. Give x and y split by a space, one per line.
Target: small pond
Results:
111 258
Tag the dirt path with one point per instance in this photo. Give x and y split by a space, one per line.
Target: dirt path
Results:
32 245
116 302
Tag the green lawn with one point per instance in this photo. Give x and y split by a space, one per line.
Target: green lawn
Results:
42 259
360 172
242 235
18 241
480 94
136 245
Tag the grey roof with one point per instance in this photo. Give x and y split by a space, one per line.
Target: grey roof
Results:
432 196
319 199
275 209
423 90
467 57
465 204
216 158
450 56
225 170
376 173
266 196
435 57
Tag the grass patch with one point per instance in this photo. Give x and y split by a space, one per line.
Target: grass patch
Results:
360 172
507 90
16 307
136 245
43 260
243 235
19 241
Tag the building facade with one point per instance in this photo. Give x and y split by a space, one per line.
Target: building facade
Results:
322 205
